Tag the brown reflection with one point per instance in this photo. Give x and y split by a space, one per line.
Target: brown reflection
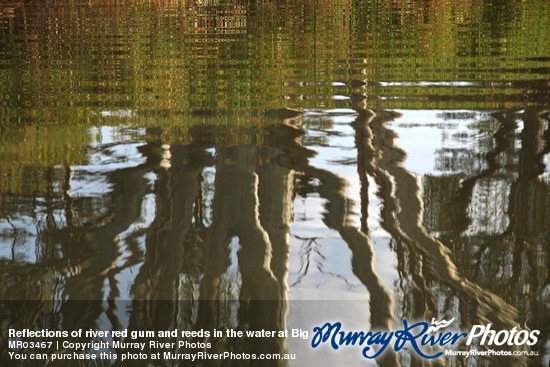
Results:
404 223
156 288
529 223
235 213
514 261
184 255
97 248
338 209
363 256
276 195
252 201
369 164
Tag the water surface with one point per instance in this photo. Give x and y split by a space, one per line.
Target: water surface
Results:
257 164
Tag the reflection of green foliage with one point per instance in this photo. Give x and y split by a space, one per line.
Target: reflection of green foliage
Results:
161 60
40 146
27 152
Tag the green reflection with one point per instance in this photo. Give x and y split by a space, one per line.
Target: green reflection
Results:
78 60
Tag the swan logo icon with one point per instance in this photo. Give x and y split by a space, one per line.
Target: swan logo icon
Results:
436 325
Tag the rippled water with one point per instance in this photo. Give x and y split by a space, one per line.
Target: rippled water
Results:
180 162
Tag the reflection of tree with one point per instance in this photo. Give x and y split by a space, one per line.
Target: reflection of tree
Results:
253 189
528 223
337 216
493 158
155 291
513 261
96 248
252 200
401 195
235 213
276 194
246 175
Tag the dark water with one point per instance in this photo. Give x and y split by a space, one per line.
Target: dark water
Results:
275 165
